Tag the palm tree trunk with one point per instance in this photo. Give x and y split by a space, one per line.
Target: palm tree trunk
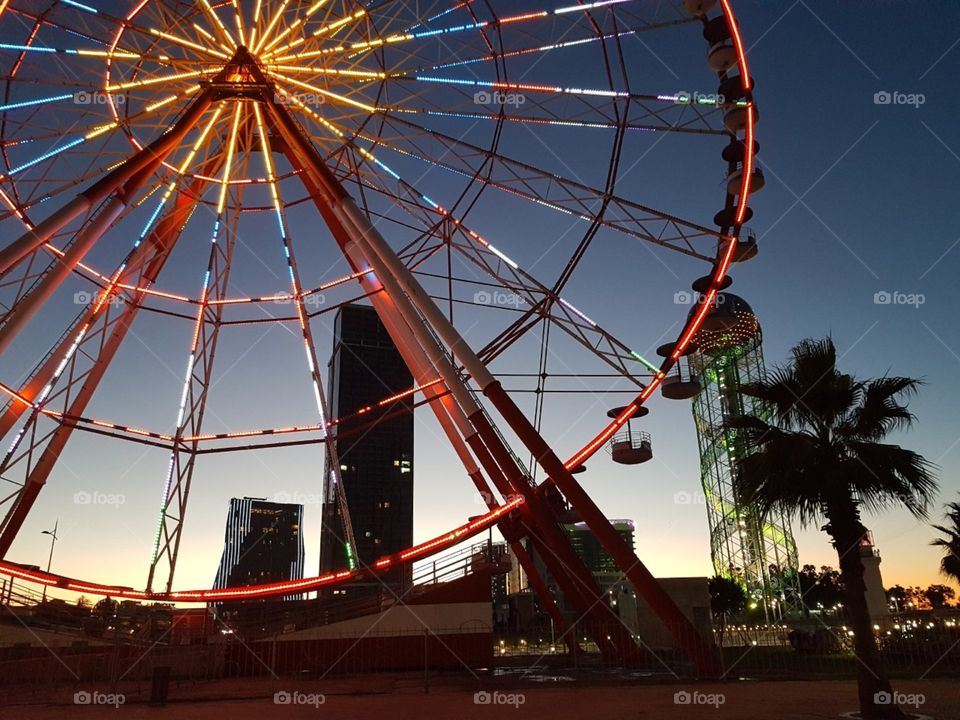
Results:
873 687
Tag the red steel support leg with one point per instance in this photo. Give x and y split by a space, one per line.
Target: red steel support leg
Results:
519 551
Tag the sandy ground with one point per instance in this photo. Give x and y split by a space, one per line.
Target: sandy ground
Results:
403 697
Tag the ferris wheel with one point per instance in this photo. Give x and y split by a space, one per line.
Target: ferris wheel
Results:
145 146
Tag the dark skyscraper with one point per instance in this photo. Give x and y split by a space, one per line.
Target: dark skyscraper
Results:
375 449
263 543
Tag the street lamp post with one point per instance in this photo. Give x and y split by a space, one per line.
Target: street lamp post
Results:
53 542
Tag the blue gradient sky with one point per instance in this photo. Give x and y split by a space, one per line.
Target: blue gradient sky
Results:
860 199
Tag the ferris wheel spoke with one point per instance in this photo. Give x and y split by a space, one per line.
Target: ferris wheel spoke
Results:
494 25
88 53
537 296
543 49
505 94
634 112
327 30
359 75
186 43
322 92
296 290
269 42
101 130
218 26
591 117
558 193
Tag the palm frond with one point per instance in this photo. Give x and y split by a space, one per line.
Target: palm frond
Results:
950 563
880 410
882 474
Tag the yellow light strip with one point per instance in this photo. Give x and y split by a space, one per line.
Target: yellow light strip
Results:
256 23
269 29
310 53
231 147
271 175
200 141
109 54
203 31
330 27
296 23
321 91
326 71
189 43
181 170
170 98
101 130
218 24
154 81
238 21
316 116
336 25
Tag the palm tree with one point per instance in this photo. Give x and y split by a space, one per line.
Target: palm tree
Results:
816 452
950 564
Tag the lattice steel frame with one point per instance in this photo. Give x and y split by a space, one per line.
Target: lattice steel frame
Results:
759 552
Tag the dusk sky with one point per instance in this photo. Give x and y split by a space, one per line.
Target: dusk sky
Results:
858 239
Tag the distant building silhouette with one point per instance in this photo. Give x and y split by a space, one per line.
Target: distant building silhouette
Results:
376 448
263 543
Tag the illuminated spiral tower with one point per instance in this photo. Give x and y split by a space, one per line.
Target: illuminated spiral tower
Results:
759 552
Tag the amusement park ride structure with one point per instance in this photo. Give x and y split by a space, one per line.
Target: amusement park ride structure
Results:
236 99
757 551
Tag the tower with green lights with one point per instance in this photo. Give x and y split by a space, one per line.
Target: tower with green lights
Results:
758 552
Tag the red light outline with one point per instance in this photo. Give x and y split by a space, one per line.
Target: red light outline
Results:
725 256
288 587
